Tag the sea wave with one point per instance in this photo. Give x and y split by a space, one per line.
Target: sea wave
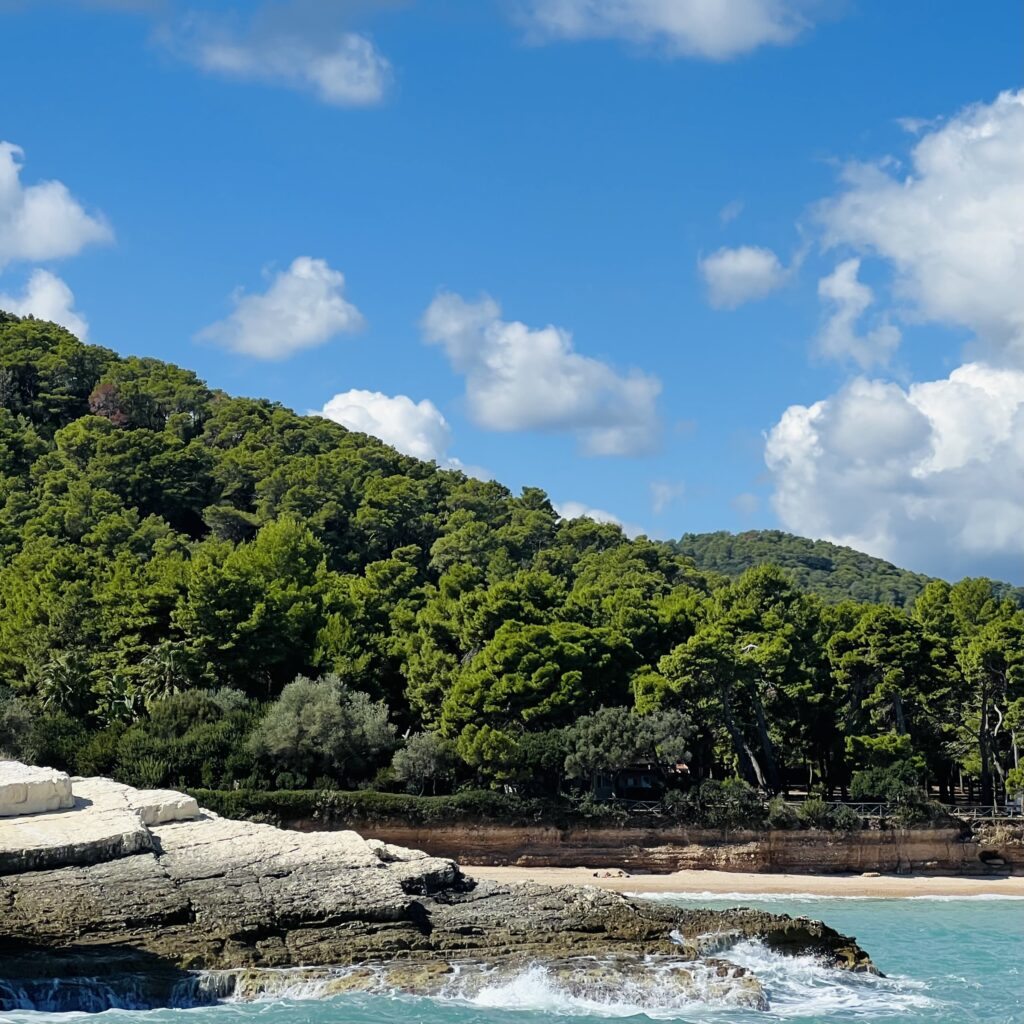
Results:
801 986
536 988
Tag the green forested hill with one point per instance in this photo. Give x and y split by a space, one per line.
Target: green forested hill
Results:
201 590
831 571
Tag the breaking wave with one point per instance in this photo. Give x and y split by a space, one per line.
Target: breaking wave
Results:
796 988
800 986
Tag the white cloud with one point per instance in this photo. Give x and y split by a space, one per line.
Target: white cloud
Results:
42 221
520 378
414 428
951 227
931 476
339 67
303 307
47 297
579 510
735 276
702 28
849 299
665 493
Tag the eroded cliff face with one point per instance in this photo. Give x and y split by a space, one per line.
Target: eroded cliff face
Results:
935 851
204 893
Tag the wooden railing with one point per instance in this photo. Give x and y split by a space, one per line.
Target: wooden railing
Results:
869 811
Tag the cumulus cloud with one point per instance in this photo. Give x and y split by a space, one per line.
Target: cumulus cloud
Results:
285 45
41 221
691 28
304 306
579 510
931 476
522 378
950 227
849 299
414 428
744 274
47 297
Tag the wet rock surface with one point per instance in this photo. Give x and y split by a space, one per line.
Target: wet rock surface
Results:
215 895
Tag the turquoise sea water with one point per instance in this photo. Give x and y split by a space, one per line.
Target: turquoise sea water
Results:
947 961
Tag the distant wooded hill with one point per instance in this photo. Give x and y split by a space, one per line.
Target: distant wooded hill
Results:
834 572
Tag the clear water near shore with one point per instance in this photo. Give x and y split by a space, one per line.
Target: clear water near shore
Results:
948 961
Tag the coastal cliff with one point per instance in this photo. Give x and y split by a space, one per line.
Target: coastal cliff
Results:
989 852
127 885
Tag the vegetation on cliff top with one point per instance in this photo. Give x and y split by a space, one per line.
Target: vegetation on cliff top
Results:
172 558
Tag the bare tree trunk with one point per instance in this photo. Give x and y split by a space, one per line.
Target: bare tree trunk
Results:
771 767
749 764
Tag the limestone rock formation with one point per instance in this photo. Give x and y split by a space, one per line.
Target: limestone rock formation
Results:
25 789
209 894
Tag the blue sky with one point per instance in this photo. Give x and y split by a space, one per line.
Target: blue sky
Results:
729 213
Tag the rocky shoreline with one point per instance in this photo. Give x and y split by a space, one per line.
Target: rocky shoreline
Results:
141 899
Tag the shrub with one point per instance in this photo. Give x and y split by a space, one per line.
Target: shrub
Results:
606 810
55 740
318 727
895 784
846 819
99 754
731 803
814 813
425 761
781 815
16 724
361 807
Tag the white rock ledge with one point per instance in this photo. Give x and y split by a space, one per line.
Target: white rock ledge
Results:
88 821
26 789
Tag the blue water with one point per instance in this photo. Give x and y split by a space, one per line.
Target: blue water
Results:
947 961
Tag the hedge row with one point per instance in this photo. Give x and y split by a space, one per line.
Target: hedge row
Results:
336 807
332 808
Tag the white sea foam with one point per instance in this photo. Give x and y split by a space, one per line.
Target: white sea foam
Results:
535 988
812 897
803 987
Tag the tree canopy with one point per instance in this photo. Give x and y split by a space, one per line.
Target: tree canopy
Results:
206 590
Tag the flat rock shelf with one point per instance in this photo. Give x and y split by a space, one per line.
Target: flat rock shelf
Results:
127 885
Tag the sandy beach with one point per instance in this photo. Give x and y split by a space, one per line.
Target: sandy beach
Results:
728 882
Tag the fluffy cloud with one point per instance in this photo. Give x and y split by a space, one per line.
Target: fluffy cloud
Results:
414 428
735 276
849 299
314 55
47 297
520 378
931 476
702 28
951 227
578 510
303 307
42 221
